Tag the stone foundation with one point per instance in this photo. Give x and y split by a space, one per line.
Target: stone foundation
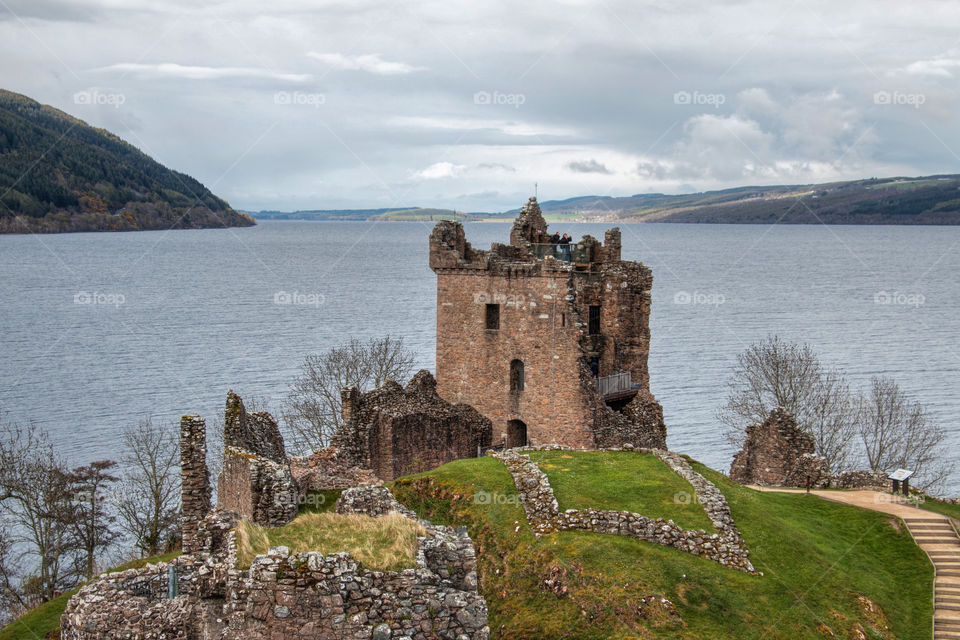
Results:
725 546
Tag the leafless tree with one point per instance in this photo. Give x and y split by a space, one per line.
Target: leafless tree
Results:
88 515
312 409
777 373
34 496
148 502
897 433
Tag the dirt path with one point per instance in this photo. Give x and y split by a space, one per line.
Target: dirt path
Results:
933 533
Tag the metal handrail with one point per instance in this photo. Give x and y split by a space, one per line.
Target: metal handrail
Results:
615 383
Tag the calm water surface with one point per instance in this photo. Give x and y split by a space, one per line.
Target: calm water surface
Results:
101 330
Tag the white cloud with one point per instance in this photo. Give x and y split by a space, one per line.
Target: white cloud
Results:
194 72
371 63
508 127
441 170
940 67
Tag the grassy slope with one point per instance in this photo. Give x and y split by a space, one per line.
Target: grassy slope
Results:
622 481
817 557
950 510
44 621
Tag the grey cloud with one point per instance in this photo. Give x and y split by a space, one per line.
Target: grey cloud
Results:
587 166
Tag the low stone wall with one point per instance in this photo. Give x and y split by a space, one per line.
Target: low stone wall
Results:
308 596
725 546
371 500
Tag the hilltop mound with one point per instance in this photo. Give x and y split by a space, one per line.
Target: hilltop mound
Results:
58 174
829 570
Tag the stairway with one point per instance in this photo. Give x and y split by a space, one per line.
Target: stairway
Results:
937 537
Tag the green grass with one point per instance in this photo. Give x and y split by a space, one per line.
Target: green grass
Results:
621 481
818 557
319 501
949 510
44 620
381 544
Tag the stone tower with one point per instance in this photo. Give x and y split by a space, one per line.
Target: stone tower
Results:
549 343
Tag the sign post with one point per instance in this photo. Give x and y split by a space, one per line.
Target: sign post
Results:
901 481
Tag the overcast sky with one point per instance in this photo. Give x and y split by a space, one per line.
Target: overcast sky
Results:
299 105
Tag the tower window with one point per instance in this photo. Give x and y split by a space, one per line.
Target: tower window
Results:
594 319
493 317
516 376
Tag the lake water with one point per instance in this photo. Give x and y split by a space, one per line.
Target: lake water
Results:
101 330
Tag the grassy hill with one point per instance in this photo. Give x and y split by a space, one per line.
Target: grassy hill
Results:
925 200
830 570
59 174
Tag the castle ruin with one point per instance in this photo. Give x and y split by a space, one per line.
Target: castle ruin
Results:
549 342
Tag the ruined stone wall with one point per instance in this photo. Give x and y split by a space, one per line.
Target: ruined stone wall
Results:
309 596
195 477
724 546
777 452
396 431
256 480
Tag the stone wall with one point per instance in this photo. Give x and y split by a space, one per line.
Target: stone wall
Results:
309 596
544 322
777 452
396 431
195 477
255 480
328 469
725 546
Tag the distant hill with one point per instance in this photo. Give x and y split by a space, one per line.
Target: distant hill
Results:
59 174
405 214
924 200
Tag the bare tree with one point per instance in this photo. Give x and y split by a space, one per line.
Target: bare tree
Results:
34 495
777 373
312 410
897 433
148 503
87 514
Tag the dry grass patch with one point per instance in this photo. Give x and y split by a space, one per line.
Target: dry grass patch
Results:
388 543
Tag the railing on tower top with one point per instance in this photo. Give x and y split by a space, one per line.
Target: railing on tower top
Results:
616 383
574 252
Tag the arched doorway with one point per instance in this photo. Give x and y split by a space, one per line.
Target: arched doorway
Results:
516 433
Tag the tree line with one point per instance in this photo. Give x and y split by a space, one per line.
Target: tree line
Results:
60 523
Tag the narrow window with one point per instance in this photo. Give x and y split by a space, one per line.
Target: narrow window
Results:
563 319
516 376
493 317
594 319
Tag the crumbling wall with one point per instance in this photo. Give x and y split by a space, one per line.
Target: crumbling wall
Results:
777 452
195 478
396 431
309 596
255 481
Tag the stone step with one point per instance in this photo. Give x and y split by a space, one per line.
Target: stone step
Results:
947 591
947 607
925 520
947 625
